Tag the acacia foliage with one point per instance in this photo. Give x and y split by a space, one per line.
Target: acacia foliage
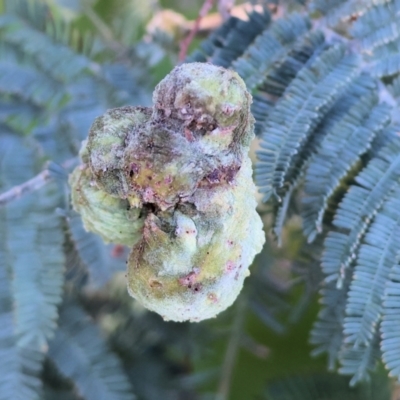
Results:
325 114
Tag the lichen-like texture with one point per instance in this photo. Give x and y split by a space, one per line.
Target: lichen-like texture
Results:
174 182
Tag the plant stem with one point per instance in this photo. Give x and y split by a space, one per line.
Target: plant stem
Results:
33 184
103 29
232 350
29 186
186 42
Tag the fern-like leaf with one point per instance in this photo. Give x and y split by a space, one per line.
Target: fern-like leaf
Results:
283 69
215 41
390 325
80 353
376 257
30 85
339 151
32 254
359 361
16 380
239 38
307 99
374 25
358 208
59 62
268 48
94 254
279 74
327 332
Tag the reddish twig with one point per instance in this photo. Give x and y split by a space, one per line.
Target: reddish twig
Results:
36 183
33 184
185 43
225 8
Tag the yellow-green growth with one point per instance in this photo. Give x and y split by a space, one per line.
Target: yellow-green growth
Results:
196 268
183 169
114 219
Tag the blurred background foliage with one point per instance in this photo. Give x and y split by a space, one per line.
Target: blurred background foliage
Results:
63 62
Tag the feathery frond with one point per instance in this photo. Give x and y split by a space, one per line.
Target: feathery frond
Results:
340 149
376 257
16 380
327 332
80 354
359 361
326 136
231 39
358 207
389 327
374 26
238 39
93 253
306 101
33 260
268 48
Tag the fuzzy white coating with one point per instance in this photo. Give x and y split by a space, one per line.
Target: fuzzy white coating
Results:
236 237
175 183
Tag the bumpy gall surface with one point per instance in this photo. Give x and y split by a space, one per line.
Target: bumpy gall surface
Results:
175 183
